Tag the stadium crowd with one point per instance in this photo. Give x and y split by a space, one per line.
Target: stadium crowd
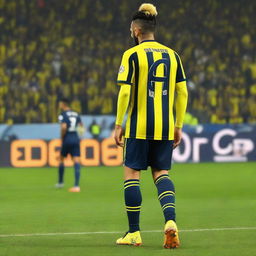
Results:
73 48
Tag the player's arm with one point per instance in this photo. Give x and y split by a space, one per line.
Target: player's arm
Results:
80 127
63 126
122 106
125 80
181 101
63 130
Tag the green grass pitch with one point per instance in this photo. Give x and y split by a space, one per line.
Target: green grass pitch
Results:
209 196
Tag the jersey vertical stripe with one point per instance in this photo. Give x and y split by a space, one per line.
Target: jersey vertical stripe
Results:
131 60
134 113
150 100
158 88
142 101
165 98
172 91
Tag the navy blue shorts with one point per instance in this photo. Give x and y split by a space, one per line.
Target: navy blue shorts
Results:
70 148
139 154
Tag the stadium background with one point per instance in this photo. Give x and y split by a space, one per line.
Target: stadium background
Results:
50 49
73 48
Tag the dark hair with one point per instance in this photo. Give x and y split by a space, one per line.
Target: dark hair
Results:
146 21
65 100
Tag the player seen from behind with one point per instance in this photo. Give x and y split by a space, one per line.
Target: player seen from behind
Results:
150 76
70 126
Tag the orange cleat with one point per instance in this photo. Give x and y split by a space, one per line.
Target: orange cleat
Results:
74 189
171 238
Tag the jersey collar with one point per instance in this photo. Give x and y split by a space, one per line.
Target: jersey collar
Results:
147 41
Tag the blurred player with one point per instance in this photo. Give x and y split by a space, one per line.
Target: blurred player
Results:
71 125
149 77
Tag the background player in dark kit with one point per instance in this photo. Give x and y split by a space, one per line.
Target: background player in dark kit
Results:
71 125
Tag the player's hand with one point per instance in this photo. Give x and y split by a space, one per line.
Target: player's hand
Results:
177 137
119 135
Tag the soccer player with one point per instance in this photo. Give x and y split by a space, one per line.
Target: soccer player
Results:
70 126
150 77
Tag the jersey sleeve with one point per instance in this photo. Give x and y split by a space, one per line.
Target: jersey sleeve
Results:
180 75
126 70
79 121
61 119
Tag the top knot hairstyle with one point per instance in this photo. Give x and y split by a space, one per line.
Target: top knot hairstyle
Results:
146 17
148 9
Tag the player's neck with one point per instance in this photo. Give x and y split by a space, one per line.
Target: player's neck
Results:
66 109
146 37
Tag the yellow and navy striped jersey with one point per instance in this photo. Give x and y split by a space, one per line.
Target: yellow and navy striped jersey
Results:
153 70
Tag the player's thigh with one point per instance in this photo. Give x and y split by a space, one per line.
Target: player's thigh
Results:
160 154
75 150
62 158
76 159
64 151
136 154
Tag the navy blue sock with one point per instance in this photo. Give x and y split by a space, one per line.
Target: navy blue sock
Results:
77 174
166 196
61 173
133 200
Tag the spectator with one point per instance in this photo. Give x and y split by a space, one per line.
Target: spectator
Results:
95 129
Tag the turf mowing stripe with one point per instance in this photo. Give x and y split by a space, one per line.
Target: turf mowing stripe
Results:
118 232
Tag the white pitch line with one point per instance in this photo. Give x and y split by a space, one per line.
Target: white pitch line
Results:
217 229
118 232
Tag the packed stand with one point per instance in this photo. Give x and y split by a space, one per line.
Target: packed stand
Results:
73 48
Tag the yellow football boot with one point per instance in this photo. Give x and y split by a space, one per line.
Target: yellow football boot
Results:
130 239
171 238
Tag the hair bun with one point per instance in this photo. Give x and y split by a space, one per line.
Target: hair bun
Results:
148 9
